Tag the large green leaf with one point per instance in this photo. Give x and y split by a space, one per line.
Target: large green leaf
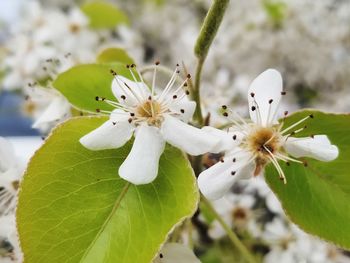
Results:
113 55
73 206
317 197
104 15
81 84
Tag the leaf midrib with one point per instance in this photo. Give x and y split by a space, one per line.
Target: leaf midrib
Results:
115 207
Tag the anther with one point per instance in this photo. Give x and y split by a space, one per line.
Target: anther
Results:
225 114
185 84
149 97
312 136
161 255
286 113
234 137
133 66
253 108
98 110
175 97
177 71
157 63
305 163
234 160
187 92
97 98
311 116
283 93
288 163
132 114
270 101
252 94
127 66
123 97
233 172
182 111
188 76
113 72
224 107
114 123
130 120
222 160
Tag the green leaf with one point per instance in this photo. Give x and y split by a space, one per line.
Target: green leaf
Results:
73 206
113 55
317 197
104 15
81 84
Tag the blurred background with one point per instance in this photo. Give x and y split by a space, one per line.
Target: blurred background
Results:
307 40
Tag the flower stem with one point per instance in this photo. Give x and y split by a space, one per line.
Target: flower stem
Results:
205 38
196 95
232 236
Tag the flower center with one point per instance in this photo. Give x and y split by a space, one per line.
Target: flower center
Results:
263 142
152 111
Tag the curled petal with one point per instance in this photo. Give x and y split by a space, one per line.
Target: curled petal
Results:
319 147
129 92
264 96
192 140
218 179
141 165
114 133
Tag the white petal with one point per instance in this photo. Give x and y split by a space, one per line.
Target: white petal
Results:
176 253
190 139
141 165
134 92
228 140
217 180
58 109
114 133
186 105
7 155
265 87
319 148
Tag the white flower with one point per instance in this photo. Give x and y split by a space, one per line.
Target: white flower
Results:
10 174
175 253
8 236
47 106
154 119
237 212
261 141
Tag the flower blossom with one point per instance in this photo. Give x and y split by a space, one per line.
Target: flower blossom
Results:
154 119
10 174
46 106
261 141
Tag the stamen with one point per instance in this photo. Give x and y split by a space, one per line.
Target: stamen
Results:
170 83
256 108
154 78
276 164
131 67
296 124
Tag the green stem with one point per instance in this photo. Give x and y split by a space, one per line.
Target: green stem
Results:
233 237
196 95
